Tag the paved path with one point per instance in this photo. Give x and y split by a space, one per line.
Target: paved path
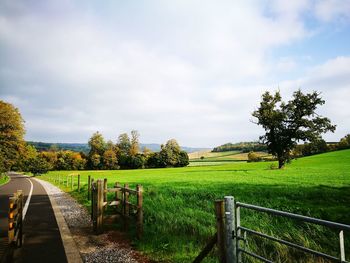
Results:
42 239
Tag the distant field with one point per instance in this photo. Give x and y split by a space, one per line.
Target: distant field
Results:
221 157
209 154
179 211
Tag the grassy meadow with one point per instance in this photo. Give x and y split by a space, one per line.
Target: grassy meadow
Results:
179 204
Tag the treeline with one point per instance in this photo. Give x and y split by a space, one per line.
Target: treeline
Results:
18 155
125 154
307 149
47 146
320 146
242 147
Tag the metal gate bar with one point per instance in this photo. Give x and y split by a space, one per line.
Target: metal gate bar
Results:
295 216
238 228
287 243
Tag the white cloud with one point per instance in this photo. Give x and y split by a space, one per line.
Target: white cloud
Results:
327 10
332 79
192 70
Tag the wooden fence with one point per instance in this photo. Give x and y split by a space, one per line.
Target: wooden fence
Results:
71 180
121 202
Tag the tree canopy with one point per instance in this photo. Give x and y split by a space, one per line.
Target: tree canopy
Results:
11 136
286 123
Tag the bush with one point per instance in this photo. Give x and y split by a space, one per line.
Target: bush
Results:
37 165
253 157
155 160
136 162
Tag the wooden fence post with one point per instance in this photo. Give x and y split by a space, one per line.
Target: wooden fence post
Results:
93 205
78 182
89 187
238 231
220 226
126 207
230 231
117 185
99 220
139 220
105 190
92 199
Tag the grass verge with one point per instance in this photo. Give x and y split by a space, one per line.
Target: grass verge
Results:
4 179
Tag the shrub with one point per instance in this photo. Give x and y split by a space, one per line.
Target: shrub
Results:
37 165
253 157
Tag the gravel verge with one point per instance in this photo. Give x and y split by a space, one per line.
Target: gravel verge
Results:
107 247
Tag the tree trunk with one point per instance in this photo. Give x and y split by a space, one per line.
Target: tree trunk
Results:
281 162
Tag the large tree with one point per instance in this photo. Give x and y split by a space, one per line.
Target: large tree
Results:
11 136
287 123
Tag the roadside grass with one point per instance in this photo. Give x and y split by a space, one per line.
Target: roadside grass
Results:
4 179
179 209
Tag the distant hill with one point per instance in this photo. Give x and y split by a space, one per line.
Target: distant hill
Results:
84 147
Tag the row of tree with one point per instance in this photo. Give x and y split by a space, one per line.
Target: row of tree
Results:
126 154
16 154
307 149
320 146
241 146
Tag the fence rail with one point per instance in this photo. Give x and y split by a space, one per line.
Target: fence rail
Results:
69 180
230 233
121 202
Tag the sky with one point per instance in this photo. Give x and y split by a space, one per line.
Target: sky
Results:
190 70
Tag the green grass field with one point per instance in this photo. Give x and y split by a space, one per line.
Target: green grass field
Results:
179 204
3 179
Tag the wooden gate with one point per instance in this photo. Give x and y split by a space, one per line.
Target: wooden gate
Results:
121 202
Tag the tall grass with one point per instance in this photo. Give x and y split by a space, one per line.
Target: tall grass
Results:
179 210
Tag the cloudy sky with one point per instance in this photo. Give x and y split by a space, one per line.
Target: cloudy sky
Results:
190 70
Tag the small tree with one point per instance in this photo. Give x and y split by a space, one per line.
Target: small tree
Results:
96 161
97 148
287 123
134 148
110 160
124 143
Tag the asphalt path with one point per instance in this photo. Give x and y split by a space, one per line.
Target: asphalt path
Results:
42 240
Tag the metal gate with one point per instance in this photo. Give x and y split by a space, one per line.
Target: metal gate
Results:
235 233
